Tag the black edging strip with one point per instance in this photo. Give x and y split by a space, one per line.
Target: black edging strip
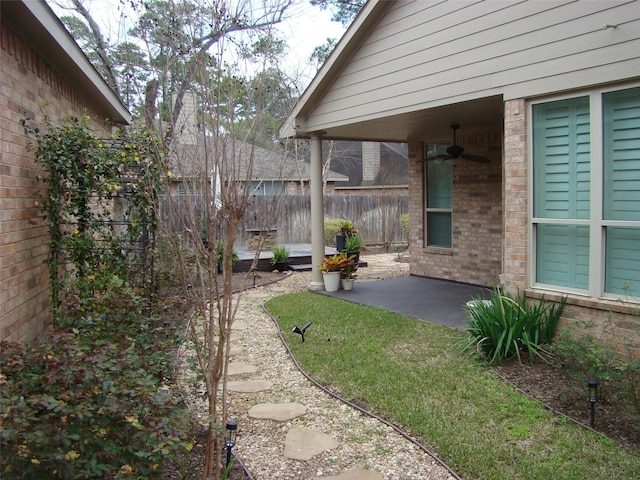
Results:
334 395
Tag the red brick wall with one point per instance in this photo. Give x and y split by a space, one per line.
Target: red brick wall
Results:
476 256
29 87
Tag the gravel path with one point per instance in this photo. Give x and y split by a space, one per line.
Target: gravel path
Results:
363 442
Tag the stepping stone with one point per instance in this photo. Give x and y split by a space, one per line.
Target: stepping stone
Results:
236 325
280 412
357 474
304 444
249 386
241 368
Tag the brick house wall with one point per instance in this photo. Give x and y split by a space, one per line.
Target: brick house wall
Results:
476 255
29 88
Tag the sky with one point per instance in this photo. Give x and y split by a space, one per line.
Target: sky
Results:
307 28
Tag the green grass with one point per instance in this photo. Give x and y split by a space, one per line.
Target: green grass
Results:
408 372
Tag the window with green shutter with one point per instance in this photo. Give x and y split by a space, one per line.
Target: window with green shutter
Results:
586 193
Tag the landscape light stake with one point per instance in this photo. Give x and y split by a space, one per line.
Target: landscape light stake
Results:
230 439
593 398
300 331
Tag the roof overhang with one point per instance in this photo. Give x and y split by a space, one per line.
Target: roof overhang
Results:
41 29
428 123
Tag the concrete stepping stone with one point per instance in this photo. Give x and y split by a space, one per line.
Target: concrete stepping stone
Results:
237 325
280 412
357 474
304 444
249 386
241 368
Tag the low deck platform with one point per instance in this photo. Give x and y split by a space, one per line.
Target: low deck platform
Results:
299 258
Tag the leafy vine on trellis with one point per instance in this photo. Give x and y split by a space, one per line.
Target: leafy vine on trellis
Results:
100 207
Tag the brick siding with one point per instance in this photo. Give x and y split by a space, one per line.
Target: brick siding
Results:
476 255
29 88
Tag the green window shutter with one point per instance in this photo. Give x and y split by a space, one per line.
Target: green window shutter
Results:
561 152
562 255
622 271
621 155
621 189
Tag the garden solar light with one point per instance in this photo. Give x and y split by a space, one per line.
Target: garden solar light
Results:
230 439
300 331
593 398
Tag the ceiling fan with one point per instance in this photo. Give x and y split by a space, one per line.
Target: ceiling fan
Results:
455 151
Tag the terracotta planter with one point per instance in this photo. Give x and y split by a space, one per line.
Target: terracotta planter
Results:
331 281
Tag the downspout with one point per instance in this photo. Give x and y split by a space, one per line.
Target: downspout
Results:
317 213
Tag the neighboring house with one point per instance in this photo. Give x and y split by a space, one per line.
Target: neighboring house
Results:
373 168
549 93
272 172
42 72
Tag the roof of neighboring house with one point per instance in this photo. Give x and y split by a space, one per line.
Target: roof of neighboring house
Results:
347 159
41 29
268 165
407 70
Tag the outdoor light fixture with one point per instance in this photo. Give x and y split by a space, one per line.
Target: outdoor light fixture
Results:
189 288
300 331
230 439
593 398
254 278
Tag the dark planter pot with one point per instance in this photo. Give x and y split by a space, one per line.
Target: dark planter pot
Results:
281 266
340 240
356 253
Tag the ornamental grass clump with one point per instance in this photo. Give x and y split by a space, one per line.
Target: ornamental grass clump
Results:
503 326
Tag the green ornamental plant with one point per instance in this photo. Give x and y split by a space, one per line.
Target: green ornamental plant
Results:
353 243
219 253
502 326
279 254
337 262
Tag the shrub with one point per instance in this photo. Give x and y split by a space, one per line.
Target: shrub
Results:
353 243
279 253
94 401
504 326
404 223
588 358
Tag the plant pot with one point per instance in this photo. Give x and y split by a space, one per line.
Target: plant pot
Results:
347 283
331 281
356 253
281 266
340 240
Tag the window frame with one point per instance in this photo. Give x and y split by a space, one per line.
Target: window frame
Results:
596 223
439 148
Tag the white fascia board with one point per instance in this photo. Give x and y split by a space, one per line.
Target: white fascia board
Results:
93 82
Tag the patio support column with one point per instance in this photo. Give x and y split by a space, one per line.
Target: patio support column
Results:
317 213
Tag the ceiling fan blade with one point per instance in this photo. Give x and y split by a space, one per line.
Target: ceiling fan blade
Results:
439 157
475 158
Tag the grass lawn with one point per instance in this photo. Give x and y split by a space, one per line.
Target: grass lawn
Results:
406 371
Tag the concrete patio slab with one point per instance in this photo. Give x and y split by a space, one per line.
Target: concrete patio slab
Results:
280 412
304 444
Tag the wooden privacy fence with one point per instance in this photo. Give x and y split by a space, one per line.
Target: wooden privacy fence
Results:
377 217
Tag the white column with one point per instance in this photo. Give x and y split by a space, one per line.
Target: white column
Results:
317 213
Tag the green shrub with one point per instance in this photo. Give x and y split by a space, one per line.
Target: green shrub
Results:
588 358
404 223
93 401
505 326
353 243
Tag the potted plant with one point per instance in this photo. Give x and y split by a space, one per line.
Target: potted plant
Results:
280 258
346 229
348 273
331 269
219 253
353 245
